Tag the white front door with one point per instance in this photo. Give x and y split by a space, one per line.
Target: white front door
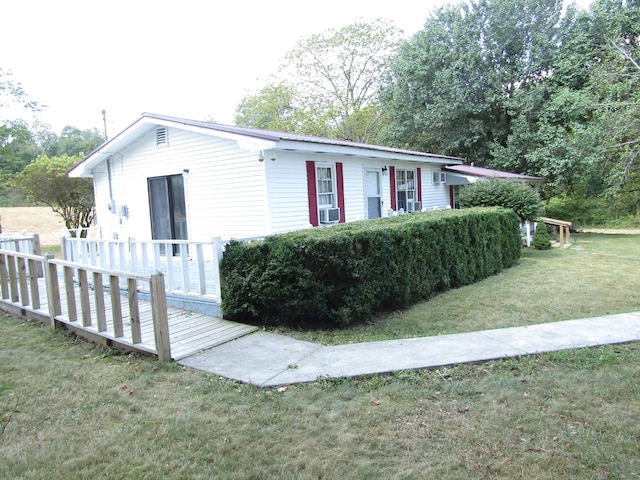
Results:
373 192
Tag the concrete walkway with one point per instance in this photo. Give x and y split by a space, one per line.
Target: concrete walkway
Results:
266 359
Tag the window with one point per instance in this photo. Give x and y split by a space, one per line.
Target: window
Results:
326 187
439 177
405 189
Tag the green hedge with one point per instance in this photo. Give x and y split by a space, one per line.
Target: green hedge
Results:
346 273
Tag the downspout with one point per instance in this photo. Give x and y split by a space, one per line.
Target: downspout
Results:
111 202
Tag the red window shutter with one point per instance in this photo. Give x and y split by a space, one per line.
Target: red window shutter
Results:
392 179
313 193
419 180
340 187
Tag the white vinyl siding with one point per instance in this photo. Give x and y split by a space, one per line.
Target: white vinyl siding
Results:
288 199
433 195
224 189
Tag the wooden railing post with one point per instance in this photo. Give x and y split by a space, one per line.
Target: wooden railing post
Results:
160 318
53 289
85 306
23 281
184 262
217 257
98 291
72 312
4 277
116 306
37 250
35 270
134 310
63 248
13 278
202 279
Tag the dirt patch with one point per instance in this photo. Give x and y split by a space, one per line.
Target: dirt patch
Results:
40 220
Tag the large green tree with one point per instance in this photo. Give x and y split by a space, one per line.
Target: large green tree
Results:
46 181
615 89
18 147
73 141
580 127
328 84
452 85
278 106
520 85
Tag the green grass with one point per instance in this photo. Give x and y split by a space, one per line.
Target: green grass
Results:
74 411
55 249
598 275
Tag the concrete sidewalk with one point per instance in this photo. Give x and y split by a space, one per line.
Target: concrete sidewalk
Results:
266 359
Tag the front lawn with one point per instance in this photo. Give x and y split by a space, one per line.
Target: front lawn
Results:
74 411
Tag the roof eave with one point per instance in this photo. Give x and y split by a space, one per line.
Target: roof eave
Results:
370 151
251 140
143 126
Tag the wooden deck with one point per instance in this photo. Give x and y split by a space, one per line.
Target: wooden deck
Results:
189 332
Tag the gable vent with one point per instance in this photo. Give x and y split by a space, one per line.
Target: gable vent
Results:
161 136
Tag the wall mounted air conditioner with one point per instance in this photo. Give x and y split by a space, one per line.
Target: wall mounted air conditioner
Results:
329 215
414 206
439 177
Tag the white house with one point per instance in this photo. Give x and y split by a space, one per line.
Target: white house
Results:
171 178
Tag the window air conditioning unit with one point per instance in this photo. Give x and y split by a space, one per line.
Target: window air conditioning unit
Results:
329 215
414 206
439 177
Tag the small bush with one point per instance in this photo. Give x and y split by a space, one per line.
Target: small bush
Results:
496 192
541 239
346 273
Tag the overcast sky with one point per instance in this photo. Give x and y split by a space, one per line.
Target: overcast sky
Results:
194 59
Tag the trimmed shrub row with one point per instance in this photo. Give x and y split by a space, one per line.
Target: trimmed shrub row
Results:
346 273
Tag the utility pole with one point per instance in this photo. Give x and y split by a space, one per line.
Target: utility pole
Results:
104 121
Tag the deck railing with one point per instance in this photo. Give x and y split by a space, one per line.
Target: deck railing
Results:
527 229
189 266
19 273
21 243
564 228
85 290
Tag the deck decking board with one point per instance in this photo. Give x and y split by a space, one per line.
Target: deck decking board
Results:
189 332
